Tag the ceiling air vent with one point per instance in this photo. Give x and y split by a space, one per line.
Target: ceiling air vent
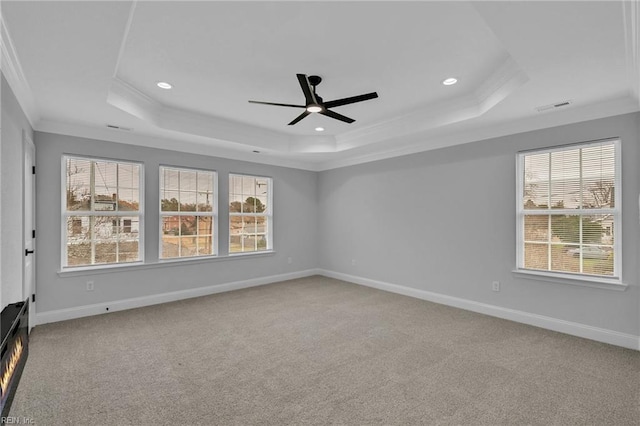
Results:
111 126
553 106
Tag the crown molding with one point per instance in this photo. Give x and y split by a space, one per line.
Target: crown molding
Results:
506 78
503 81
411 144
12 70
428 141
200 146
129 99
631 26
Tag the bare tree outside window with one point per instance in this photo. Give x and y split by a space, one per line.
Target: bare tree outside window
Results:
102 212
568 211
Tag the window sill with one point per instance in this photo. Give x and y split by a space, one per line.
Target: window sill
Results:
162 263
249 253
577 280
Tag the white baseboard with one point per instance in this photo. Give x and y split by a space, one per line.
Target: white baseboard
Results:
573 328
138 302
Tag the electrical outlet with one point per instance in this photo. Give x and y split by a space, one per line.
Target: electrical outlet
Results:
353 262
289 260
89 285
495 285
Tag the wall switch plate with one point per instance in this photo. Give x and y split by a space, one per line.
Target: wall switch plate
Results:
495 285
89 285
289 260
353 262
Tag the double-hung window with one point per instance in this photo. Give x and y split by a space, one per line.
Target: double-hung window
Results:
250 214
569 211
102 212
188 207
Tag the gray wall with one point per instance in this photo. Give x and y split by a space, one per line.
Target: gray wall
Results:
14 122
444 221
295 226
441 221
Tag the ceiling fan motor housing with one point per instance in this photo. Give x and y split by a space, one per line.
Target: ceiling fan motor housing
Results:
314 80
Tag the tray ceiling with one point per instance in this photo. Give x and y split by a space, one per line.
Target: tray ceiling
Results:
79 66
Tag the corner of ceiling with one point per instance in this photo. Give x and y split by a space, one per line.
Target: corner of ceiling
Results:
127 98
501 83
12 70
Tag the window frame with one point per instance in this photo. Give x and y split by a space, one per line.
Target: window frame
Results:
65 214
268 213
213 214
616 212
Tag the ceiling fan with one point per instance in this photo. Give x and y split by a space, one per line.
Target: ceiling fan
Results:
314 103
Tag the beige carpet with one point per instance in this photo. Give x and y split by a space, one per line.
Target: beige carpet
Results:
320 351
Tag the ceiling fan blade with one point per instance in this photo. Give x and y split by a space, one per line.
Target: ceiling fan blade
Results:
306 89
300 117
351 100
337 116
276 104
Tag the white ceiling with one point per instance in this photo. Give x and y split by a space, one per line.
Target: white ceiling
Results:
78 66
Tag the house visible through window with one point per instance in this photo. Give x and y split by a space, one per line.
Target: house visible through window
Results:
250 214
569 210
102 212
188 208
121 225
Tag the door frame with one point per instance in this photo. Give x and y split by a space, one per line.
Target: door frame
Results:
28 177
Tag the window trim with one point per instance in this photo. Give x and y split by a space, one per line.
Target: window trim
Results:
568 278
64 214
268 213
173 262
213 214
589 280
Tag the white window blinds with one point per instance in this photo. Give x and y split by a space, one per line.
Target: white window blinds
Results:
569 209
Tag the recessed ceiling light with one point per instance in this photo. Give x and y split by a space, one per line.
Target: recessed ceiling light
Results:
319 129
164 85
449 81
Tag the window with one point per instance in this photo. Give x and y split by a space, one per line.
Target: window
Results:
121 225
569 210
250 214
102 212
187 212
